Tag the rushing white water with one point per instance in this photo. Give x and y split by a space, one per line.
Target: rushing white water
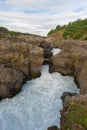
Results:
37 106
56 51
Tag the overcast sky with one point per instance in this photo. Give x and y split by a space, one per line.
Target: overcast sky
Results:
39 16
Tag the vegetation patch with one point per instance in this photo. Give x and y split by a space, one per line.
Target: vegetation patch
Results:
77 113
74 30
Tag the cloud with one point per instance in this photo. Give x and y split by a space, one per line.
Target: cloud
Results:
39 16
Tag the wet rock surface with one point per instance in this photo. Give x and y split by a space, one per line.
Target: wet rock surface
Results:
65 94
52 128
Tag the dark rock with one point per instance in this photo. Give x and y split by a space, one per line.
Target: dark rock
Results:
47 49
46 62
48 53
53 128
65 94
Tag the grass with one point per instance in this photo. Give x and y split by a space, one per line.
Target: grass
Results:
74 30
76 114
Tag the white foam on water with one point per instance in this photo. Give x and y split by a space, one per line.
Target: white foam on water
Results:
56 51
37 106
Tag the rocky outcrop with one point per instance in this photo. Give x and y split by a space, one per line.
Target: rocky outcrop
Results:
47 50
10 81
66 94
38 41
47 47
56 38
72 60
74 113
18 61
81 77
20 54
63 63
36 59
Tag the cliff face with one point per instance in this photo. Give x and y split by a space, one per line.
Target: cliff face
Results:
21 58
18 62
72 60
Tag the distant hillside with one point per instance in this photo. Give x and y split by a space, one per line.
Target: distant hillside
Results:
74 30
4 32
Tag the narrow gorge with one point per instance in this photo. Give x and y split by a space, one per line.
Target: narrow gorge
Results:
42 86
39 103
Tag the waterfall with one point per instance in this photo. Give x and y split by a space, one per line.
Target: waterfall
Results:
37 106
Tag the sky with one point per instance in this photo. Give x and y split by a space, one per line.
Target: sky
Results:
40 16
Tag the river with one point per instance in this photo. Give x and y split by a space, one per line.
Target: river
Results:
39 103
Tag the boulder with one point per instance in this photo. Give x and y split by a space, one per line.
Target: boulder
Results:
66 94
53 128
46 45
62 62
11 81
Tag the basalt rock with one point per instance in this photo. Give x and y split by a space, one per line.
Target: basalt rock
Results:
36 61
72 60
53 128
11 81
15 55
38 41
63 63
56 39
19 61
46 45
65 94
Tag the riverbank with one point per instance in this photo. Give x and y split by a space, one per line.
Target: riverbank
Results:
72 60
21 58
